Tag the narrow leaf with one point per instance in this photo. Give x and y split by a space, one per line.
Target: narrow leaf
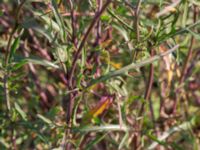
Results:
104 128
46 120
15 45
42 62
95 141
131 66
58 17
20 111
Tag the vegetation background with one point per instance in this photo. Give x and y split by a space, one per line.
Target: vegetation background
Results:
100 74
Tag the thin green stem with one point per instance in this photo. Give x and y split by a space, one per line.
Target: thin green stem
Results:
123 70
7 54
120 20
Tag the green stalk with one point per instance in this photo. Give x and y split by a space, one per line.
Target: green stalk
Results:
123 70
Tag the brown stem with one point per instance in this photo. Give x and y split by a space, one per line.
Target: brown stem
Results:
149 87
189 55
77 54
147 98
187 61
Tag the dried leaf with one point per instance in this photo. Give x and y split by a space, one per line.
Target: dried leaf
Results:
101 106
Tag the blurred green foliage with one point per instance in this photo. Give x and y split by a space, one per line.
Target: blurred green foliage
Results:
153 105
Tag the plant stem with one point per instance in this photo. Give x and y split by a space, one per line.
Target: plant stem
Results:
147 97
187 61
77 54
148 90
189 55
137 18
74 63
131 66
7 55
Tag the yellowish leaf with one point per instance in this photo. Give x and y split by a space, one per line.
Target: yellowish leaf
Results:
98 109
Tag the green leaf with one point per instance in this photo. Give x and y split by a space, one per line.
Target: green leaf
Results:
120 20
124 70
40 29
14 46
46 120
196 35
173 33
43 62
1 13
34 60
58 18
95 141
154 138
196 2
122 31
105 18
20 111
4 143
47 20
19 65
125 138
96 120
